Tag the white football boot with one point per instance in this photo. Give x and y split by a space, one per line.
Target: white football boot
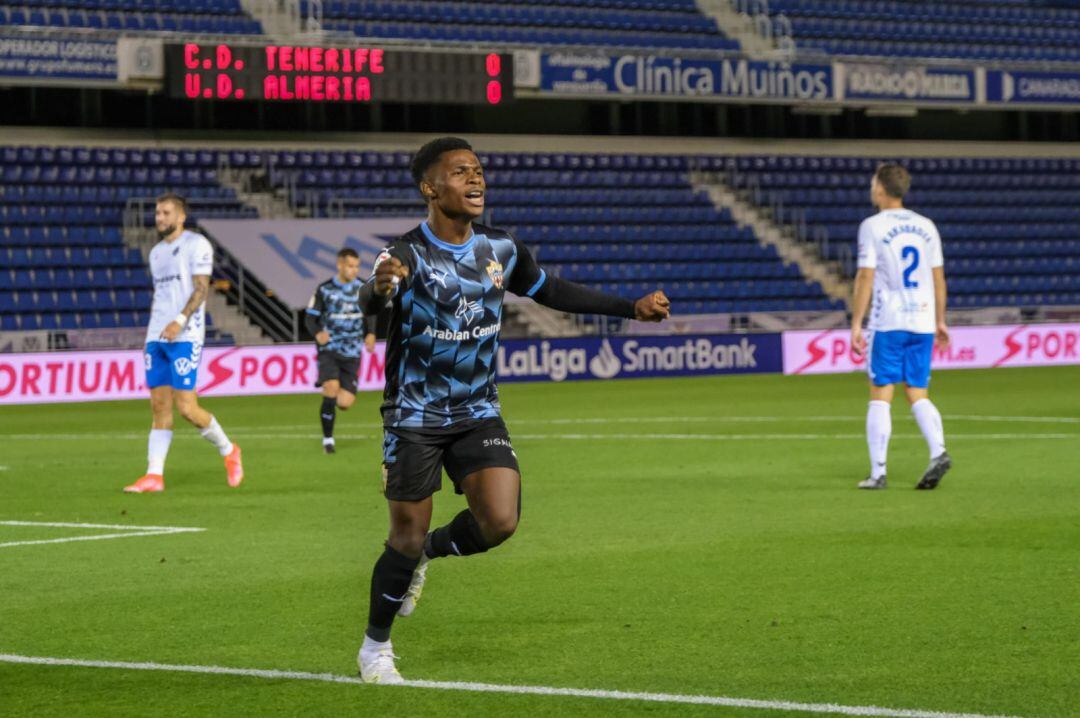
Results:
378 666
416 587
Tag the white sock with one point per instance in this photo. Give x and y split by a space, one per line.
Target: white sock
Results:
216 436
929 419
156 451
328 441
878 431
372 646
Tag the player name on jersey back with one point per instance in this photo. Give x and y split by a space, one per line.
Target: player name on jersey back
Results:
903 248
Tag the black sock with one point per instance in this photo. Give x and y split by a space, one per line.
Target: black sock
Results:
390 580
327 413
460 537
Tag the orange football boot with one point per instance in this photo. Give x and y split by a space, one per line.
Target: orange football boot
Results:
234 468
151 483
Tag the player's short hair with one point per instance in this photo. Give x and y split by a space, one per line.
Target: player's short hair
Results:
430 153
178 201
894 179
347 252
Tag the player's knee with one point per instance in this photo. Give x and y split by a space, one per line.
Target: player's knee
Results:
407 542
162 411
188 409
498 527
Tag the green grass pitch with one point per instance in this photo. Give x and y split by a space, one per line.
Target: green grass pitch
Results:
688 536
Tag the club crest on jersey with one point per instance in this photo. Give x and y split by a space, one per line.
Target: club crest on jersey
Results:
495 271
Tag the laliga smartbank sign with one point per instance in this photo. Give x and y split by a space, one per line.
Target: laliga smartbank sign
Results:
637 356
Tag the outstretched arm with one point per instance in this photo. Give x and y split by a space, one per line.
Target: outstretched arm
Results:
564 296
529 280
198 296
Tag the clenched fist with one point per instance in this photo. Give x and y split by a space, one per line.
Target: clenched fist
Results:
388 275
655 307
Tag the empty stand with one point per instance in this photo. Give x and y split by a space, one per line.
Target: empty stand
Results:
605 23
63 262
1008 226
222 17
1008 30
621 223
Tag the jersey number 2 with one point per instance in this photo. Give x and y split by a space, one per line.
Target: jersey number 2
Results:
912 254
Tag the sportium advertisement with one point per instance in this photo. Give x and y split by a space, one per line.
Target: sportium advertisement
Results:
291 368
223 371
829 352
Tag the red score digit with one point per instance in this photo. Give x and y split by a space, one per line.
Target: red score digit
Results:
494 65
494 92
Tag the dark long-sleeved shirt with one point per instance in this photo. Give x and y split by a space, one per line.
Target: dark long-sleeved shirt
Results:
445 318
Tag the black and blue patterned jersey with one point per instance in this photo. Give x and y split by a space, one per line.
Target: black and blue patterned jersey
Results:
444 325
335 307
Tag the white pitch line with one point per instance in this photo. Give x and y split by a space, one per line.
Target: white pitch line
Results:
98 537
725 701
1020 419
119 527
127 532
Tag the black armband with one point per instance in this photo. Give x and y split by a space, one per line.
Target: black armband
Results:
565 296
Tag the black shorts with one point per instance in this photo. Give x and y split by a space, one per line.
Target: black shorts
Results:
413 461
340 368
